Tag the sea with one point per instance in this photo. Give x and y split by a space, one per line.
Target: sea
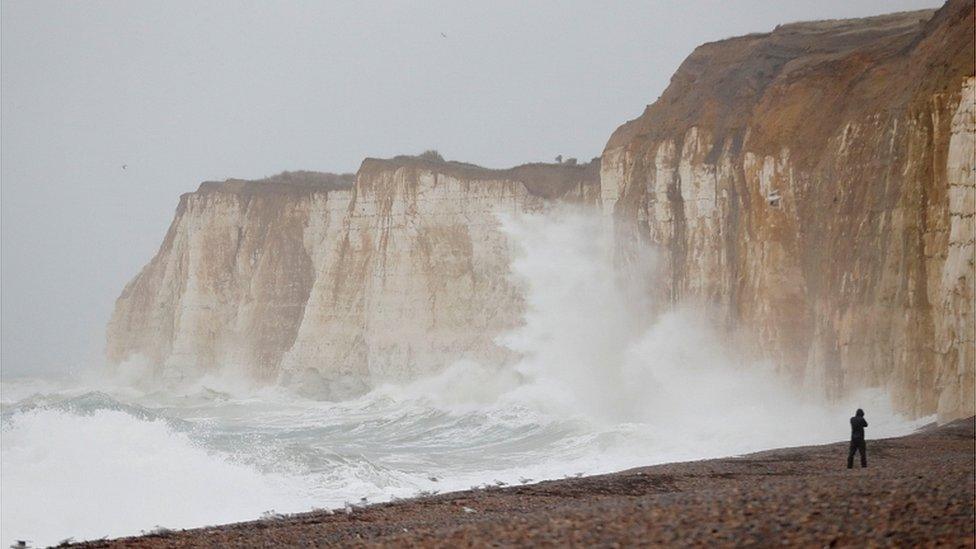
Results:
109 452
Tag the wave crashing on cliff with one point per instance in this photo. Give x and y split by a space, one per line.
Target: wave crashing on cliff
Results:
598 389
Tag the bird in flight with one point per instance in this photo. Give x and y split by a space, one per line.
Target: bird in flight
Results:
124 166
443 35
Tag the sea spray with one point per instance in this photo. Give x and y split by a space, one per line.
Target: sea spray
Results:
588 350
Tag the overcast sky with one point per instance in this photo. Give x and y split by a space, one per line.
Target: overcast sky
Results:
182 92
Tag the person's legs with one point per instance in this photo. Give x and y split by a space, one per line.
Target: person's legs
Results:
863 448
850 455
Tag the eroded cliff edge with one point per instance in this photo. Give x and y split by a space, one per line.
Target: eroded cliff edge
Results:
334 283
816 185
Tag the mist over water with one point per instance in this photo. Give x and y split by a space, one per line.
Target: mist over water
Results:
598 389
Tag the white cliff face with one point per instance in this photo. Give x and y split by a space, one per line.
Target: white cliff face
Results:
229 284
956 327
336 289
831 226
418 279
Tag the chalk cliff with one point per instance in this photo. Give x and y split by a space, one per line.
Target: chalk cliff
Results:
334 283
815 184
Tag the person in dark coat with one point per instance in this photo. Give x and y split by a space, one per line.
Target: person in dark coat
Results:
858 423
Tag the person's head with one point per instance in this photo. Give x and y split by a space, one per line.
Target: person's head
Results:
860 413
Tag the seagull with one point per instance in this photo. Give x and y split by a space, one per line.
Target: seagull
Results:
443 35
432 479
524 480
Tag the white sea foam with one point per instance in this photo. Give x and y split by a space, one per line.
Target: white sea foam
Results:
108 474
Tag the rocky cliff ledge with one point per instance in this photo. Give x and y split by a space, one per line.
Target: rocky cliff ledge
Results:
816 184
335 282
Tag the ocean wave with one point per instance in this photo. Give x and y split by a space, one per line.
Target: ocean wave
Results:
108 473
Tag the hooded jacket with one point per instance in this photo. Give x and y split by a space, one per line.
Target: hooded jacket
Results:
858 423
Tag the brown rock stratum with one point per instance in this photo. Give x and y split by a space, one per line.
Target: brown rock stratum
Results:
919 490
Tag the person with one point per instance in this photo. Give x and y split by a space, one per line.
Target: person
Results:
858 423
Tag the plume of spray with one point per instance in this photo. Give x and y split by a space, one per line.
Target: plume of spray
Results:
575 335
587 350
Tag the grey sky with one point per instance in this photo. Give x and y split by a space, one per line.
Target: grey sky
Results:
182 92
